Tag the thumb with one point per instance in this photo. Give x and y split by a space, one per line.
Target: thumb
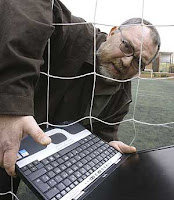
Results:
122 147
31 127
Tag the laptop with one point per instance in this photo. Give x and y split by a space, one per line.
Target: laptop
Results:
71 167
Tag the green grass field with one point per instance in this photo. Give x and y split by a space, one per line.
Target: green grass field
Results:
154 105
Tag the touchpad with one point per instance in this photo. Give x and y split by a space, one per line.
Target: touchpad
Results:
58 138
29 145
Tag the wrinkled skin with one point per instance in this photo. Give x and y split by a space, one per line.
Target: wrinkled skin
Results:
12 130
113 63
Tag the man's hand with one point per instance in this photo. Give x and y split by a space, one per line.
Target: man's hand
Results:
121 147
12 130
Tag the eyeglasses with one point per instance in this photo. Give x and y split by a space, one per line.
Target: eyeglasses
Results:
128 50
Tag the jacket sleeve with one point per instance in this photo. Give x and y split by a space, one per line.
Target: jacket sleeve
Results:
109 132
25 27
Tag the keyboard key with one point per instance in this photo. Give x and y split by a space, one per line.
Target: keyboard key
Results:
72 178
70 155
87 167
62 167
84 176
27 172
58 196
75 152
72 160
39 166
58 178
77 157
33 169
52 182
37 174
51 158
80 179
60 161
72 186
65 157
45 161
74 168
51 193
30 165
77 174
69 148
67 182
88 158
41 185
36 162
84 161
54 164
68 164
95 161
82 155
63 175
24 168
54 198
76 182
67 189
81 141
45 178
91 164
56 155
63 192
79 149
51 174
57 170
61 186
79 164
82 170
69 171
48 167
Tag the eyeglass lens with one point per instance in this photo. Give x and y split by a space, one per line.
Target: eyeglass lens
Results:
126 48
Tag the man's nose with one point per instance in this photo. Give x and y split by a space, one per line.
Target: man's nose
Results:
127 61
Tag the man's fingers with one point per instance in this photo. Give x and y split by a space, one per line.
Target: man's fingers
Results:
32 128
10 157
122 147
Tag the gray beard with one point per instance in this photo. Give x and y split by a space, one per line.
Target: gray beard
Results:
103 71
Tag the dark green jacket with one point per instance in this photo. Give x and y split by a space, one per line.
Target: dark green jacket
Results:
23 52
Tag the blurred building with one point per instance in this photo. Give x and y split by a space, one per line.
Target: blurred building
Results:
163 63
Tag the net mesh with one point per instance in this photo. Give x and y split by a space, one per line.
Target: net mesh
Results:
150 119
149 123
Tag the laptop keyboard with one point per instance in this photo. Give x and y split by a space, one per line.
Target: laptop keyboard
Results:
59 173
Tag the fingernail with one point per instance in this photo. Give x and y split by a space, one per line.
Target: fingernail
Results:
46 140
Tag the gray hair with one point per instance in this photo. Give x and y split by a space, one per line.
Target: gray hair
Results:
154 33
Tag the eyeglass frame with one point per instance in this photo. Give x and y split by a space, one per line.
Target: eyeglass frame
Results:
123 41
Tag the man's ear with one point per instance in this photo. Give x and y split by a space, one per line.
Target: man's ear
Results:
112 31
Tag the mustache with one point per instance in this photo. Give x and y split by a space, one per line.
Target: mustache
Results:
118 66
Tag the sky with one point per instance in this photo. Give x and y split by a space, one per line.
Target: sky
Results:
113 12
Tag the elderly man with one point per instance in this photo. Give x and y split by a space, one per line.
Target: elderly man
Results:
26 27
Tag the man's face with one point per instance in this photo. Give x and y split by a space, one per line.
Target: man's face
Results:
114 63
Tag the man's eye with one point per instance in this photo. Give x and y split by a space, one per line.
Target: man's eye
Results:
127 48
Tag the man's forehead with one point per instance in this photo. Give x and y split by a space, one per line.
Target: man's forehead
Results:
137 30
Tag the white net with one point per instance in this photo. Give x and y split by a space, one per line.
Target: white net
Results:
149 123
